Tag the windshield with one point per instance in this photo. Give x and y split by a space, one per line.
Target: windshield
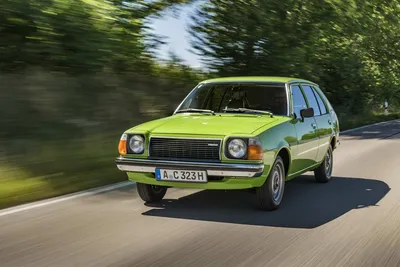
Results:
237 98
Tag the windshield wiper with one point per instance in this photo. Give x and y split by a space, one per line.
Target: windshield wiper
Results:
248 110
196 110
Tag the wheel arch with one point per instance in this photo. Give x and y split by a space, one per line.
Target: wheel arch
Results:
286 155
333 142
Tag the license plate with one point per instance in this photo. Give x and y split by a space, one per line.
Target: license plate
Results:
181 175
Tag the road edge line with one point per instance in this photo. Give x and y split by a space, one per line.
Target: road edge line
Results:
54 200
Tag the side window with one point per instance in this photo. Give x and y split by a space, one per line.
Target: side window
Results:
321 103
299 102
308 91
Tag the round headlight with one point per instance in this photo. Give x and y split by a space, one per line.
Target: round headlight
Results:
237 148
136 144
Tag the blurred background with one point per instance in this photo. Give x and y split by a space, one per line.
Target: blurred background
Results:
75 74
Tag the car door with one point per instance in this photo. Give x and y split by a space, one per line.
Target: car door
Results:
305 151
322 118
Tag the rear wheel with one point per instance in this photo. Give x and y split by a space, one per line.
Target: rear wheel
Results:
323 173
151 193
270 194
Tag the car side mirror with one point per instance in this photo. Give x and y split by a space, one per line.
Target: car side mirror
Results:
307 113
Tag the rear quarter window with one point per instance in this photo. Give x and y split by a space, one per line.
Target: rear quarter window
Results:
324 98
321 103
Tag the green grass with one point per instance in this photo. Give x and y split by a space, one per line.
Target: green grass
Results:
354 121
48 169
36 170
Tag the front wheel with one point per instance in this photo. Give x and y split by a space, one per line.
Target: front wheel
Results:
151 193
270 194
324 172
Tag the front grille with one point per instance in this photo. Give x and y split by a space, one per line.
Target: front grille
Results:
181 148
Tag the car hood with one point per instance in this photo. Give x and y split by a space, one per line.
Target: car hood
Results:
205 124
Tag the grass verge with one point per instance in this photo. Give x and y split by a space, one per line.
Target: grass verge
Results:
45 169
353 121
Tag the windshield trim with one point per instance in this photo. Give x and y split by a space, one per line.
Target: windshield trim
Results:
187 96
286 86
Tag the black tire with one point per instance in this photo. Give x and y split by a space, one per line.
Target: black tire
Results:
269 195
151 193
323 173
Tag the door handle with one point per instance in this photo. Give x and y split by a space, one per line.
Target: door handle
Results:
329 121
314 125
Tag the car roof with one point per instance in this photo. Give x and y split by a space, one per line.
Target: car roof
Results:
257 79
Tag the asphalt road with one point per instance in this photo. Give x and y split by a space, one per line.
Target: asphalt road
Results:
352 221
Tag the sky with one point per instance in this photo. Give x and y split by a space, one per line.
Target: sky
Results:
174 29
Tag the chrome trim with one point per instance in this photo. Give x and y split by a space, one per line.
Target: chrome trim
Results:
288 98
291 104
188 138
302 81
213 169
196 138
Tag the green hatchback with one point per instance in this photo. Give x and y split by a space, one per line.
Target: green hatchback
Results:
235 133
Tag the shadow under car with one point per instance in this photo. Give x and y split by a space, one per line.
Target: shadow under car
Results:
306 204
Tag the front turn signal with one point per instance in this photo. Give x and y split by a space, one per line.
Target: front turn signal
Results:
122 144
254 151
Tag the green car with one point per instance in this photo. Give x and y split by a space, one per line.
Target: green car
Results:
235 133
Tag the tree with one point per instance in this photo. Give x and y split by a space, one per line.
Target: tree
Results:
341 46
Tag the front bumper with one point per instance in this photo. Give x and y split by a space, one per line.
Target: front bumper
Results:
213 169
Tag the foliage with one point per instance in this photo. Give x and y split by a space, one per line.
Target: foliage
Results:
78 36
74 74
349 48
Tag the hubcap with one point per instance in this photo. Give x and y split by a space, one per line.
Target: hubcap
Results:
277 184
328 163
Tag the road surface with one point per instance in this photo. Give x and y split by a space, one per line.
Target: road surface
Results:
352 221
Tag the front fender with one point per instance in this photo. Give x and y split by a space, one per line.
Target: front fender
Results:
276 140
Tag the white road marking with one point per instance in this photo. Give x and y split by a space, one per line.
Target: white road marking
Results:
55 200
